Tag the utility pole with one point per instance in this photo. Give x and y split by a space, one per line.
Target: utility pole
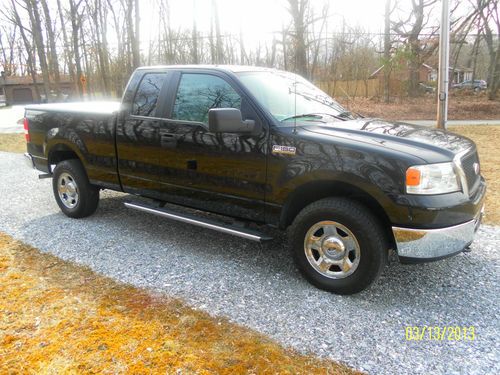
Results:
444 65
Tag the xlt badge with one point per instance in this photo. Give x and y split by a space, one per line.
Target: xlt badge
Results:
286 150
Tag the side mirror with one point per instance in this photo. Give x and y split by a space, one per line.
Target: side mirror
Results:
228 120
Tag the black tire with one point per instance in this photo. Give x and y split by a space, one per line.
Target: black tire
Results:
72 173
370 245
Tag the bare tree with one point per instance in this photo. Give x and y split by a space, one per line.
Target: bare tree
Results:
37 32
99 30
298 11
10 33
390 6
218 50
76 21
12 15
317 43
67 45
133 20
53 59
419 48
488 10
194 35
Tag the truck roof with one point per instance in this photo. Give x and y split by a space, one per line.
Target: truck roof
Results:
226 68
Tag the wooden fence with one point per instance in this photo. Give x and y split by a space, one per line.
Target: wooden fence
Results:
360 88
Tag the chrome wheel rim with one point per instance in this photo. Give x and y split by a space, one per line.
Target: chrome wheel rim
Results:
67 190
332 249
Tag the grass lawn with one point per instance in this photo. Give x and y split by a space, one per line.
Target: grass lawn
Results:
58 317
487 139
12 142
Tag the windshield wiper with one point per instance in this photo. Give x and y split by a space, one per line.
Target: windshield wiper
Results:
345 114
315 115
341 116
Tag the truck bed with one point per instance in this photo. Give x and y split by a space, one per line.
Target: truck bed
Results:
103 107
83 130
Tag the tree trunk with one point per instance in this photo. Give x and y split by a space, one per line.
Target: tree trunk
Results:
75 28
36 26
28 47
219 52
298 13
495 76
133 32
387 51
194 51
285 50
53 60
67 48
89 69
101 45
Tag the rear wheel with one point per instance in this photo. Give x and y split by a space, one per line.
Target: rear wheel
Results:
338 245
74 194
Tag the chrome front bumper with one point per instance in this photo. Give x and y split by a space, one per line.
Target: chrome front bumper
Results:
421 245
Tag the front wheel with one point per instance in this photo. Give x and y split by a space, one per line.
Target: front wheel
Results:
74 194
338 245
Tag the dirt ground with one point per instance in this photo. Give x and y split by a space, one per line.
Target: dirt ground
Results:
461 107
57 317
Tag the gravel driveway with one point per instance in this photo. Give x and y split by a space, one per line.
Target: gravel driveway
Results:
258 286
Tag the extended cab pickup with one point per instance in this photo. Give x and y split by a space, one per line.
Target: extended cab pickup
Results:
267 147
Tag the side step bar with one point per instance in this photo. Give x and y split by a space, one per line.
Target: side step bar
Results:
201 222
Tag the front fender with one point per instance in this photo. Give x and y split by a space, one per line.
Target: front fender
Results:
321 184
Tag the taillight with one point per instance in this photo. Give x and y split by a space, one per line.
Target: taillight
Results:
27 130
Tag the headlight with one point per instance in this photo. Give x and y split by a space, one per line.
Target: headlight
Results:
432 179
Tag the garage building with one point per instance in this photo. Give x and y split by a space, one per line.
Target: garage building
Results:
21 89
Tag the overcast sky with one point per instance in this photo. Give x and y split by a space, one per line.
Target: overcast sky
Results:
258 19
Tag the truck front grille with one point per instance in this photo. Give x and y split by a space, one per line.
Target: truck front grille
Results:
471 176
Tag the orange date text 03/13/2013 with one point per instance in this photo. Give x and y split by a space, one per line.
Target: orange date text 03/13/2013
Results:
440 333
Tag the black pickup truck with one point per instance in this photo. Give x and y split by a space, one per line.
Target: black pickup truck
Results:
266 148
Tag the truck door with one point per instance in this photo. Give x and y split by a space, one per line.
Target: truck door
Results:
223 173
138 136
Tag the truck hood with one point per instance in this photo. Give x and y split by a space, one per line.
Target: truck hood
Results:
424 142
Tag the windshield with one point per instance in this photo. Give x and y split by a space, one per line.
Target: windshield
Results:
289 97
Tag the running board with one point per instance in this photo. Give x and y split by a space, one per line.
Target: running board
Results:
201 222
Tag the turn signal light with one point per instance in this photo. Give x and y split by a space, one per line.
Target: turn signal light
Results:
27 130
413 177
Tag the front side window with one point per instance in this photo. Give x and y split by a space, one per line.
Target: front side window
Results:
146 97
198 93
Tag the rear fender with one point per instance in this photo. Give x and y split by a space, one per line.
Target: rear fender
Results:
70 145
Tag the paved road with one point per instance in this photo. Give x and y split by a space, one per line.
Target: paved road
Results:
455 122
258 286
11 120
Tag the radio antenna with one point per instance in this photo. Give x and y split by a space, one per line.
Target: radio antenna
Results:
295 98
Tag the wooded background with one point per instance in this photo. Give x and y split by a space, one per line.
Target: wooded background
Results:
97 43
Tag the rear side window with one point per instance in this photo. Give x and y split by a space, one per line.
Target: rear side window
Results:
198 93
146 97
